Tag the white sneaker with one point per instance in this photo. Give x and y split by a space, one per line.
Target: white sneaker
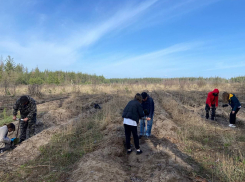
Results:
232 125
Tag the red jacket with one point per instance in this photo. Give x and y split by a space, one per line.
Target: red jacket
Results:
211 99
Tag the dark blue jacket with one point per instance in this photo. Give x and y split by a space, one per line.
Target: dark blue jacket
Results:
149 105
133 111
234 102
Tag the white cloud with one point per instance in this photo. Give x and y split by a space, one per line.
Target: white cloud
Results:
68 49
163 62
59 54
228 65
120 20
43 54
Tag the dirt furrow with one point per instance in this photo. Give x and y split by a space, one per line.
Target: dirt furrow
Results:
160 161
29 149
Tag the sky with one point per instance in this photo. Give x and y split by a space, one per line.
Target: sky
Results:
126 39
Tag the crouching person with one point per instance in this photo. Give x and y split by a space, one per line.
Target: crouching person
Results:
28 111
5 142
235 105
131 114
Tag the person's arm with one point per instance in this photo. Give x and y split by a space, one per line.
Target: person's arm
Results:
151 108
208 100
33 110
140 111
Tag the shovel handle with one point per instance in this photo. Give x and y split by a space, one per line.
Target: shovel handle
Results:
18 127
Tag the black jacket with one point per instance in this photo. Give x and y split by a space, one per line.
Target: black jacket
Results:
149 105
133 111
234 102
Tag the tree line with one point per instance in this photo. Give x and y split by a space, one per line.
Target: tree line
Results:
17 74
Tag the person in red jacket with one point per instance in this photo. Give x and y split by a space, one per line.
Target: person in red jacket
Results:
212 102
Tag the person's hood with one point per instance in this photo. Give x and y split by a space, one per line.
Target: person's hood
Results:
231 95
216 91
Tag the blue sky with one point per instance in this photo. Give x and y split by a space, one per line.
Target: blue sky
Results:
126 39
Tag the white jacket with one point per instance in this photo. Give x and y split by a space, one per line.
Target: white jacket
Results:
3 136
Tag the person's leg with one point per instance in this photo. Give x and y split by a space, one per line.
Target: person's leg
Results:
207 109
2 150
149 126
32 125
235 115
127 135
8 146
142 127
213 112
23 127
232 118
135 135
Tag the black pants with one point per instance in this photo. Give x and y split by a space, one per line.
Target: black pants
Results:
7 147
207 108
233 116
128 130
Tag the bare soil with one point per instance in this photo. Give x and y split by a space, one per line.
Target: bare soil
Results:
54 116
161 160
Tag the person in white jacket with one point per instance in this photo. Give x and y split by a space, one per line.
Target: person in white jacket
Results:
3 136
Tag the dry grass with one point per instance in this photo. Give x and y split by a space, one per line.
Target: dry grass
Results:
59 157
217 149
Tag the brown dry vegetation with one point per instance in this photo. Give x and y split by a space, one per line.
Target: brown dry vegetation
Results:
76 142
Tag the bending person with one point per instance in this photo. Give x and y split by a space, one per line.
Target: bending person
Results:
235 105
131 114
212 102
28 111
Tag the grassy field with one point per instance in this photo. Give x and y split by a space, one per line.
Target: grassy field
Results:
214 151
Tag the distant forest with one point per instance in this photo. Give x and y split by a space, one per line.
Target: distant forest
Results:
17 74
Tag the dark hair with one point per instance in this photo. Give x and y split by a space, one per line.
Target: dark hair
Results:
144 95
11 125
225 97
138 97
23 99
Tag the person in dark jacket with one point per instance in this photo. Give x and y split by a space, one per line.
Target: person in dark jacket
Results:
131 114
212 102
28 111
235 105
148 105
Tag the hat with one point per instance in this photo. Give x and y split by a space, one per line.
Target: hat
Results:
144 95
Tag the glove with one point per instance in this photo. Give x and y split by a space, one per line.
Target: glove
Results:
225 105
12 139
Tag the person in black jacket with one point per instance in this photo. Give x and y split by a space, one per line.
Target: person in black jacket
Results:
131 114
148 105
235 105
